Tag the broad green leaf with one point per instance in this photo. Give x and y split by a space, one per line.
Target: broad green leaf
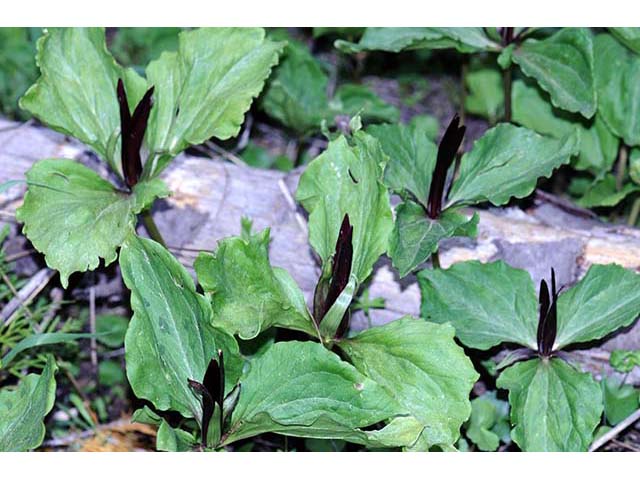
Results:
598 146
606 299
137 46
205 88
624 360
489 422
296 94
303 389
415 236
506 162
620 400
22 410
563 65
76 92
487 304
486 92
406 357
616 73
146 415
170 337
553 406
604 193
628 36
327 191
412 158
463 39
247 294
171 439
76 218
352 99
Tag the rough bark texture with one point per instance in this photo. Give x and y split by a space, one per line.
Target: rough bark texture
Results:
210 196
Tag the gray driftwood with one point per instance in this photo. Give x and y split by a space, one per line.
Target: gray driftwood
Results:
210 196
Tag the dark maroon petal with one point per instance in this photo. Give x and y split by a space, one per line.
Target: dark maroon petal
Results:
447 150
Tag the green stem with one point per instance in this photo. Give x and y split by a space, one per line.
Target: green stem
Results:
435 260
152 228
506 83
635 211
621 167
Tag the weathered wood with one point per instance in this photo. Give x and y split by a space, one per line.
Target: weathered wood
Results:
210 196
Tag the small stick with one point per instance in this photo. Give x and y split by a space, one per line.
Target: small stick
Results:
92 328
621 167
611 434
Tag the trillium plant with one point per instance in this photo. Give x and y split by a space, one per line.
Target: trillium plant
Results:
242 351
554 406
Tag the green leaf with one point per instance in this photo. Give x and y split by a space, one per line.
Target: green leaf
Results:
39 339
248 295
604 193
487 304
110 373
17 66
352 99
598 146
302 389
634 165
170 337
76 218
553 406
296 94
506 162
563 65
620 400
146 415
415 236
204 89
139 45
171 439
606 299
486 92
412 158
76 92
22 410
406 357
112 329
628 36
616 71
332 319
463 39
489 422
328 192
624 361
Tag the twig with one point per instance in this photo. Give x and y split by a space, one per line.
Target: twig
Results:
152 228
233 158
92 327
244 136
611 434
621 167
26 294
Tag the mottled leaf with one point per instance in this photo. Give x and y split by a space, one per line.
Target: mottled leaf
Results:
616 71
553 406
628 36
606 299
563 65
248 295
90 216
506 162
170 337
22 410
487 304
303 389
348 180
406 357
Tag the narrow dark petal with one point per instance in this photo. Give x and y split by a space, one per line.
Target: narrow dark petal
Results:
207 407
551 325
342 260
543 302
132 130
212 378
447 150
